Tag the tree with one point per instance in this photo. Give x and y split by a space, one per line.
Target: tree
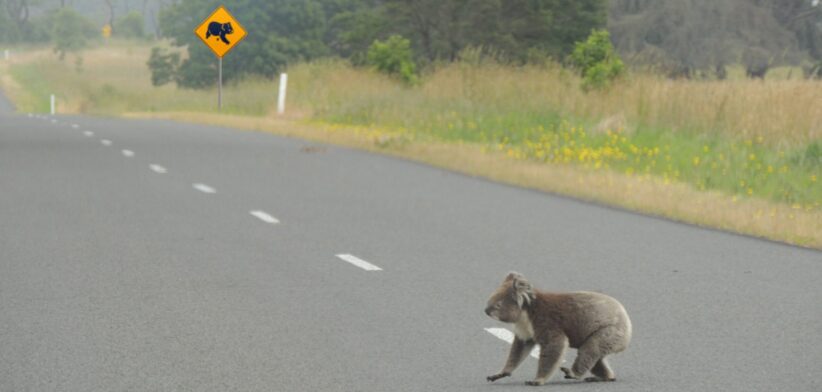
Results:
131 26
393 57
279 32
70 31
688 37
442 28
596 61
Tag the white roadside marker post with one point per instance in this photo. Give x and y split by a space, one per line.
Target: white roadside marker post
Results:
6 54
52 104
281 97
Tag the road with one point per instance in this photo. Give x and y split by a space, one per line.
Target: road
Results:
210 259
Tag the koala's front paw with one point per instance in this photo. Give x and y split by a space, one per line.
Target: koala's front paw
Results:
597 379
569 374
535 383
497 376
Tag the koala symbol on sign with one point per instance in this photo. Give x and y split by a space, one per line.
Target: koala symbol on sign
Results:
220 30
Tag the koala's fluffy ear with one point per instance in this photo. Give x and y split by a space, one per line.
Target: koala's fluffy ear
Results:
523 292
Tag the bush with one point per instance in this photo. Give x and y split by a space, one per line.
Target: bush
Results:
393 57
131 26
596 61
200 69
163 66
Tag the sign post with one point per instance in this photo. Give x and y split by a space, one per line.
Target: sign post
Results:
219 83
220 32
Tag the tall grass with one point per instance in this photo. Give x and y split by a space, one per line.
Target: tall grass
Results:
490 96
747 138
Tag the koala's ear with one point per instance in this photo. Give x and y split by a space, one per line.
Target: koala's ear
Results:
513 275
523 292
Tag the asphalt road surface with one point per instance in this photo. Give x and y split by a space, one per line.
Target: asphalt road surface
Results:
159 256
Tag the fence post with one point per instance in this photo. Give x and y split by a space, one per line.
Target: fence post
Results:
281 97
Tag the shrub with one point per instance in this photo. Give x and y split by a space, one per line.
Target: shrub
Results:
596 61
163 66
393 57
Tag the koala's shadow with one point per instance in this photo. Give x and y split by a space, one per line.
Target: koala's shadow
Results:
569 384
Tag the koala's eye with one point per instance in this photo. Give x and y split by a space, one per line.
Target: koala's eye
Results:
497 305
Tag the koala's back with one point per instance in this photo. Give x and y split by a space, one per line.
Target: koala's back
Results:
579 315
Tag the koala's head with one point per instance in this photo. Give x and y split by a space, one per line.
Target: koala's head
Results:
227 28
507 301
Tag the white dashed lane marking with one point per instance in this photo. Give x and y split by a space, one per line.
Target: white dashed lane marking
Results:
106 142
359 262
158 169
75 126
508 336
264 216
88 133
204 188
128 153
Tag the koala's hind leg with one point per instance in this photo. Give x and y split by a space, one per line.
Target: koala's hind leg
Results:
602 371
595 348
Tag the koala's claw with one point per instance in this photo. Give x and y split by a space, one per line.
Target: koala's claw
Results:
497 376
534 383
569 374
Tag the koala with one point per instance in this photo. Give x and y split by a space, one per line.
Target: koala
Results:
220 29
594 324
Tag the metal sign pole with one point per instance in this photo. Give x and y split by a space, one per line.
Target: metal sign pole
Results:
220 84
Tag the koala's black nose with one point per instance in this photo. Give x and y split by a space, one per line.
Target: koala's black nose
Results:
488 311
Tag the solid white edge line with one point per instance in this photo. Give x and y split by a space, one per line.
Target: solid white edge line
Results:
508 336
264 216
359 262
204 188
105 142
158 169
128 153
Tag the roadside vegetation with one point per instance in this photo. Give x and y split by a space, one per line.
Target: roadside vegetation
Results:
703 111
739 154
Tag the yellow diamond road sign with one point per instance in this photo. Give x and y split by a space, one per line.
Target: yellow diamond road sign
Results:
220 31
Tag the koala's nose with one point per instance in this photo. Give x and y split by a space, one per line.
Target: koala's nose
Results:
488 311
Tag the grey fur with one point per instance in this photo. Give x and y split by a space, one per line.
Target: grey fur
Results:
593 323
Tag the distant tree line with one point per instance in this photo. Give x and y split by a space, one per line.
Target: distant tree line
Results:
284 31
691 38
682 38
33 21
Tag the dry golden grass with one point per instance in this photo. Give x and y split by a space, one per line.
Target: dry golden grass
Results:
782 111
676 201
